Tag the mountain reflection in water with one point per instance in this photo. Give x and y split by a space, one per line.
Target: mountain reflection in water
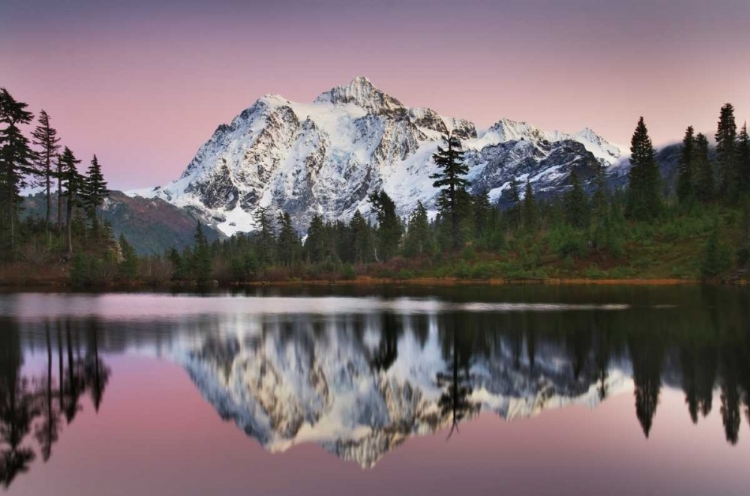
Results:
359 383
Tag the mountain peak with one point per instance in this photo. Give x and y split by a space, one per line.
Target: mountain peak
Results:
361 92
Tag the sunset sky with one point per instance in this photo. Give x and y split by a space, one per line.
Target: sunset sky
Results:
143 83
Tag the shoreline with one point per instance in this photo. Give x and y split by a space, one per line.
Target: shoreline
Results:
64 286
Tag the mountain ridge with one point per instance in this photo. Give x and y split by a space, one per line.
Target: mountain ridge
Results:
325 157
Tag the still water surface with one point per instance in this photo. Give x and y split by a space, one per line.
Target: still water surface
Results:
528 390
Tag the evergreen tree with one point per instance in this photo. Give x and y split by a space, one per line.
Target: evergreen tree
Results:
16 162
45 137
129 265
644 197
726 152
95 191
685 174
315 243
389 229
514 212
704 173
289 243
482 214
361 242
418 238
450 179
743 161
73 185
265 236
576 204
530 211
201 263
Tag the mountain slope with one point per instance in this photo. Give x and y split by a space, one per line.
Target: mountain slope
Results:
151 225
325 157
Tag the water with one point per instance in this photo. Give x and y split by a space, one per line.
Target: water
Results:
529 390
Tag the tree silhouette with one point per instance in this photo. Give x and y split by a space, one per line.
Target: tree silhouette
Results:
48 432
455 399
647 356
730 395
96 372
387 351
17 406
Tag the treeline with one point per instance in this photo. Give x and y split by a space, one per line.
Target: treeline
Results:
42 162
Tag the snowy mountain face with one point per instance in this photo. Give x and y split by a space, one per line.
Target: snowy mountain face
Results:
325 157
359 390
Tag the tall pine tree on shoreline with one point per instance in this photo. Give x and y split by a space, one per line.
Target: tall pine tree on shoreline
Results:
451 180
73 186
16 162
704 173
644 196
685 173
94 192
45 137
726 152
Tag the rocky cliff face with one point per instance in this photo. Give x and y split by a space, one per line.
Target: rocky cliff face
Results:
325 157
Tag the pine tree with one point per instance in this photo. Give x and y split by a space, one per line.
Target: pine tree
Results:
16 162
73 184
514 212
45 137
685 174
530 211
576 204
129 265
451 180
644 197
201 261
265 236
389 229
361 239
743 161
95 191
704 173
418 238
726 152
289 243
315 243
481 214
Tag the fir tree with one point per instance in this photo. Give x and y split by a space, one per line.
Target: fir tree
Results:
450 179
418 238
45 137
644 198
743 161
129 265
288 242
389 229
16 162
95 191
361 242
482 212
576 203
704 173
315 244
726 152
530 211
685 174
265 236
73 184
201 262
514 212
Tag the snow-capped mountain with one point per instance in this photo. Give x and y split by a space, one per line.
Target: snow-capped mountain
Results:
325 157
359 392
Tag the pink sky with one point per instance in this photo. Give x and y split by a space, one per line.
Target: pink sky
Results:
144 86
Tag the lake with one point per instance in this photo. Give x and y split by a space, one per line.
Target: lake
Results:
394 390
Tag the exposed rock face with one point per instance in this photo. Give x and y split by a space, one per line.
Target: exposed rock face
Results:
327 156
